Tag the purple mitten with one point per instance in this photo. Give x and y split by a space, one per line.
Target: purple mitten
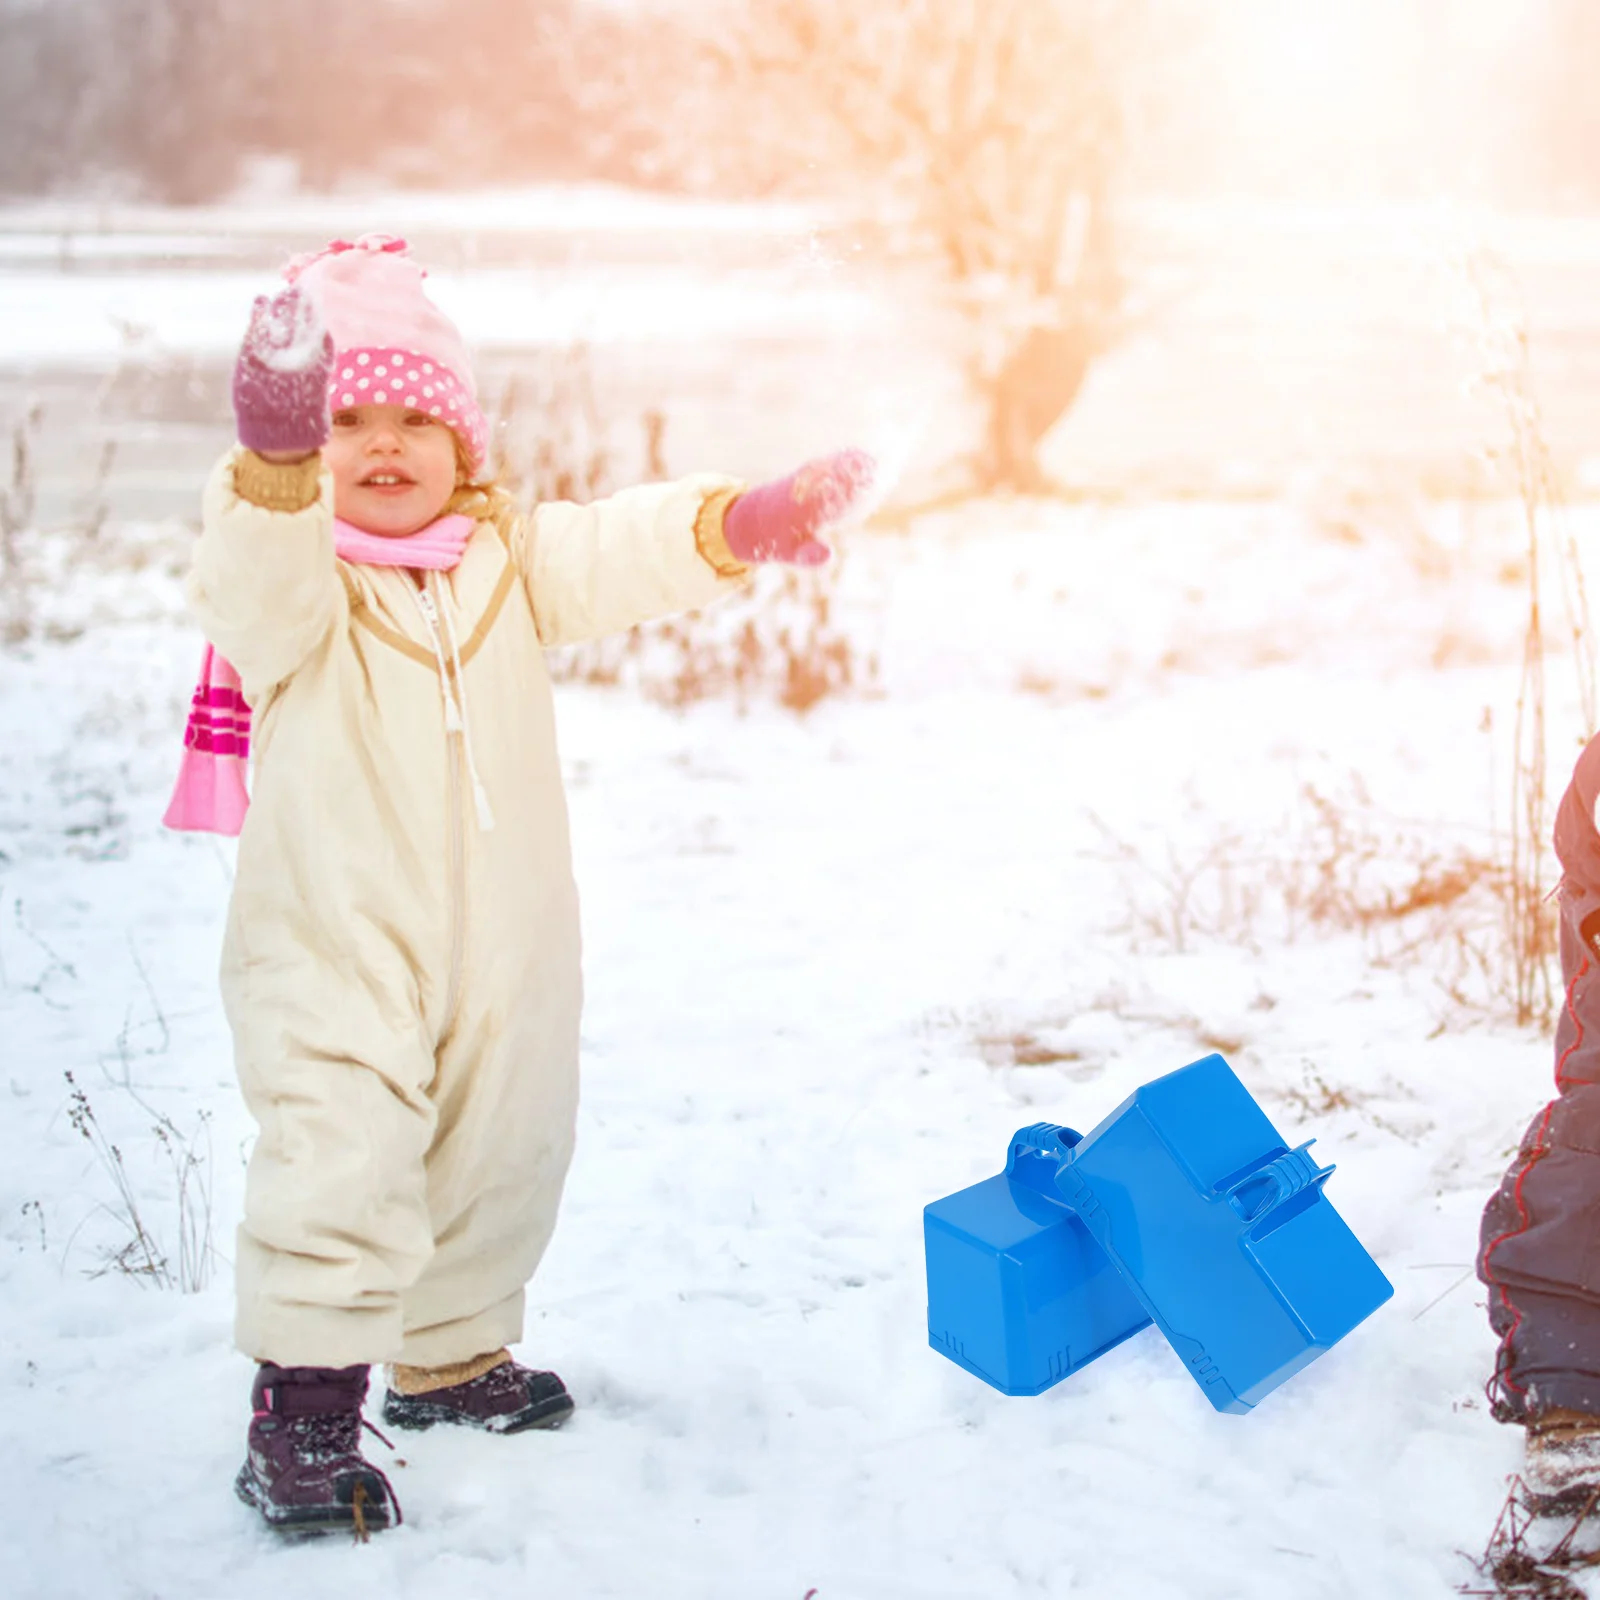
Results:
780 521
280 382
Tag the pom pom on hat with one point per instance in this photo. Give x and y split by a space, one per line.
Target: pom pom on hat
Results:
392 344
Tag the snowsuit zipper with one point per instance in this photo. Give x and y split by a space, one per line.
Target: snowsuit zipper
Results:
455 823
458 894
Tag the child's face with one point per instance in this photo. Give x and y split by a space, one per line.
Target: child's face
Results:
394 470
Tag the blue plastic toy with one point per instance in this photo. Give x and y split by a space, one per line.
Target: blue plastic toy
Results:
1183 1207
1019 1293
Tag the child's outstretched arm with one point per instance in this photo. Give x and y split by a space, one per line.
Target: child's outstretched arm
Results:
263 585
783 520
660 548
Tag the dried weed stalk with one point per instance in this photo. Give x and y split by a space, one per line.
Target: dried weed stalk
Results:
1515 1570
1314 1099
18 502
1501 327
141 1255
553 440
1340 865
781 640
1355 868
33 558
1214 892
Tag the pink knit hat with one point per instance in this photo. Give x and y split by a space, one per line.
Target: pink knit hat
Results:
392 345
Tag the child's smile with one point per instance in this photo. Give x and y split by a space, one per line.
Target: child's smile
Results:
394 469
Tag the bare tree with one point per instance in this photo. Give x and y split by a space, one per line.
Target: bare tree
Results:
979 138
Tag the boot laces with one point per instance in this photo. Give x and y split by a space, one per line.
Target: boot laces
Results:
331 1436
327 1435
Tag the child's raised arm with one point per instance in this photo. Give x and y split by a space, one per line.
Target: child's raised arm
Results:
264 587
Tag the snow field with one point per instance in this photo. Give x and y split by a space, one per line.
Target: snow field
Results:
817 954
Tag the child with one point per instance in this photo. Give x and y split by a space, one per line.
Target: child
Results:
1540 1247
400 968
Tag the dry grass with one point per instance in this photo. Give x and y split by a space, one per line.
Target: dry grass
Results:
1515 1568
18 500
1499 324
1417 898
558 439
778 641
141 1255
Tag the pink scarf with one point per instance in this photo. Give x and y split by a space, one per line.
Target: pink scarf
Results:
210 796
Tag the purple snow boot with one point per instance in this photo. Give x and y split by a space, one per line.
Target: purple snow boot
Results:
305 1472
506 1399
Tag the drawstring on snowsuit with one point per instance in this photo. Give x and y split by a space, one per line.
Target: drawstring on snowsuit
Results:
456 719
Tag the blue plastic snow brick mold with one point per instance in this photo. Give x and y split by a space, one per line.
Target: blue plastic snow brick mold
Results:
1019 1293
1216 1230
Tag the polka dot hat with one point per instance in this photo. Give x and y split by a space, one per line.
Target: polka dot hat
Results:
392 345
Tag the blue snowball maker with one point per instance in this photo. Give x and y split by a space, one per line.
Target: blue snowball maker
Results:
1183 1207
1019 1293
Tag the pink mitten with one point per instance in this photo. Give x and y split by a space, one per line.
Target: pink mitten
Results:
280 383
780 521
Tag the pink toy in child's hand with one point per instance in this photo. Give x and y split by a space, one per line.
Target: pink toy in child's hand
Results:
280 382
780 521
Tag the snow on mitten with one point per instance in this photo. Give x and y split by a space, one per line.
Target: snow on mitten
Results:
280 382
780 521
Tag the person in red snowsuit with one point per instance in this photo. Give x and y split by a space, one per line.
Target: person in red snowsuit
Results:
1539 1253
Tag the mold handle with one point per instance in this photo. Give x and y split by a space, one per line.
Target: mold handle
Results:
1268 1187
1038 1153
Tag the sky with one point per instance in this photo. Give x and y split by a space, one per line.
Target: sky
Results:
1300 99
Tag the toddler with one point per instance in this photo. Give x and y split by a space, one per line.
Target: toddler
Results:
400 969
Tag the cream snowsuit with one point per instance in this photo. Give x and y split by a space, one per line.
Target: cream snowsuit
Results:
403 984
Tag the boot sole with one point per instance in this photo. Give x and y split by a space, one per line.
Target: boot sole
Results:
306 1522
1563 1502
414 1414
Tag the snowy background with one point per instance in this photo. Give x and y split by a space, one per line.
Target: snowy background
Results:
1135 778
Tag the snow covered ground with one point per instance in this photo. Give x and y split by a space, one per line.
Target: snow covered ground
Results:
825 958
1075 834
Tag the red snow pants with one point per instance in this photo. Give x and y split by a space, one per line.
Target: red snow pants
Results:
1539 1250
